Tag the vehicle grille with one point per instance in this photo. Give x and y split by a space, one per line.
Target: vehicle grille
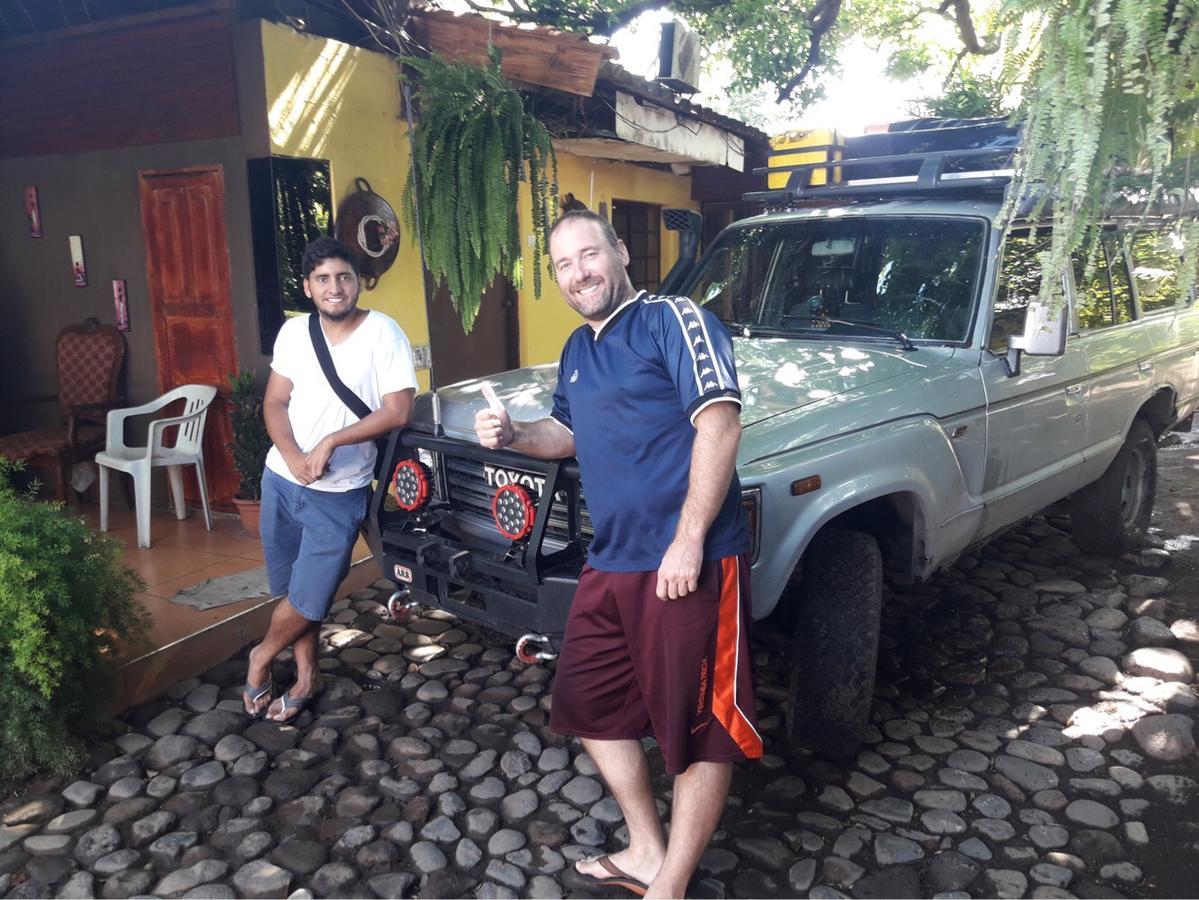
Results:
470 496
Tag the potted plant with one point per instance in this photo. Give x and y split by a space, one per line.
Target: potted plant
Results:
474 126
249 445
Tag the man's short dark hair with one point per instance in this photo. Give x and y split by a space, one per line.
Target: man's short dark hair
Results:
587 215
323 248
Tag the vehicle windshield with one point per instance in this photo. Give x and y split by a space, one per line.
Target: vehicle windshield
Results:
866 277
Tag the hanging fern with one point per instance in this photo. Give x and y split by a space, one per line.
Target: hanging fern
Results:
475 145
1110 103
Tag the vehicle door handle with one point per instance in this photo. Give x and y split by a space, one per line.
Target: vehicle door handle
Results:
1146 367
1073 390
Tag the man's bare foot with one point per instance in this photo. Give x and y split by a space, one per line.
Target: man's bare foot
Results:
294 700
641 866
259 687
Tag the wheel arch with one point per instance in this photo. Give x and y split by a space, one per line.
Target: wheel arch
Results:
894 518
897 522
899 482
1160 410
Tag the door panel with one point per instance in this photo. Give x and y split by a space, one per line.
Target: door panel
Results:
490 347
187 269
1120 378
1036 424
1037 420
1184 365
1117 350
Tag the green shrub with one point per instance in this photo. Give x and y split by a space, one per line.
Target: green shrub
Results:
65 598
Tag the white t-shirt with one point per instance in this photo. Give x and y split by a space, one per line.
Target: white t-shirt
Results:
375 360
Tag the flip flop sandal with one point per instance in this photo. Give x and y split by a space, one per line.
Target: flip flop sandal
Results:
615 878
299 704
254 694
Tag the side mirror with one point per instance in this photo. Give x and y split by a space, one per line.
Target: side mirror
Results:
1045 332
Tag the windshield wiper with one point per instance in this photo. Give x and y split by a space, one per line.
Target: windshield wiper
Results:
905 343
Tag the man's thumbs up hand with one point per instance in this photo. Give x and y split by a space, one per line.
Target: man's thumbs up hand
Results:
493 426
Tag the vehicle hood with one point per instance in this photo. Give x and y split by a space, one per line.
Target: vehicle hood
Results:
776 375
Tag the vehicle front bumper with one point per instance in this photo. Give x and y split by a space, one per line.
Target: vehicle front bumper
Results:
445 561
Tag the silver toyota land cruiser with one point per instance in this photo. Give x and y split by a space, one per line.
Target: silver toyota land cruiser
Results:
905 396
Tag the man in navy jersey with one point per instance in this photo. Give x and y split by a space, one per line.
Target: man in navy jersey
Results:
657 638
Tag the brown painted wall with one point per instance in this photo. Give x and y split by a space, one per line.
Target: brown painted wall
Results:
143 84
95 194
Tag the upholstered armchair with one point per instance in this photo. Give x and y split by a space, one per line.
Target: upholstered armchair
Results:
88 358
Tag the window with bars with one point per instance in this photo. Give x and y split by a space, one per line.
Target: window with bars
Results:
637 225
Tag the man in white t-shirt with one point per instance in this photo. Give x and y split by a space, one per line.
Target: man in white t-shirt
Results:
318 473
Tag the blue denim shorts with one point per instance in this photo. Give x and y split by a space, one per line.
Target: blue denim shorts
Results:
307 538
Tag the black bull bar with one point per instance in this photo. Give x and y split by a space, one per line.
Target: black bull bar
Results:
445 559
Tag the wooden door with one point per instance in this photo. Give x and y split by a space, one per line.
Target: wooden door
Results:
187 268
491 346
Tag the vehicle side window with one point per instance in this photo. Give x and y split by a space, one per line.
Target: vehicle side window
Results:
1121 285
1094 292
1104 296
1155 269
1019 283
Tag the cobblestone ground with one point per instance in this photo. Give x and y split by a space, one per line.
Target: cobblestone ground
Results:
1033 735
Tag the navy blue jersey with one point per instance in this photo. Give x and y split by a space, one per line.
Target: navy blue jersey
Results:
629 393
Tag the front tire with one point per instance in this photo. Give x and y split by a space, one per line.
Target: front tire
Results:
1112 514
836 642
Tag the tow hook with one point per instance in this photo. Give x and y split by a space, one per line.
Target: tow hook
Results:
400 608
527 652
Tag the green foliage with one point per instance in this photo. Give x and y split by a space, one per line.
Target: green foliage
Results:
250 442
769 41
1111 91
909 61
1109 88
475 144
65 598
966 97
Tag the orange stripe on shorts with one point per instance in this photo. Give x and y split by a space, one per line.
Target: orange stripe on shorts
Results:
728 661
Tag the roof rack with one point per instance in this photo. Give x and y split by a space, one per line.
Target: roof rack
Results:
917 158
902 174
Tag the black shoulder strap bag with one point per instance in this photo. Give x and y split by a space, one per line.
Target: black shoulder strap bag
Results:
353 402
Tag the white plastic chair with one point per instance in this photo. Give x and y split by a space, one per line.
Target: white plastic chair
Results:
139 461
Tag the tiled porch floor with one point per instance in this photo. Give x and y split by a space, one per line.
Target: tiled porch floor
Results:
183 641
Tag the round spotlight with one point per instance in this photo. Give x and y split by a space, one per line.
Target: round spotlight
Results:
411 484
513 511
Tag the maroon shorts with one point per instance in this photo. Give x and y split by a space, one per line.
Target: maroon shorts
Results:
633 665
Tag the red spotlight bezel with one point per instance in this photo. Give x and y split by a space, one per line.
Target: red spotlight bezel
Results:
421 472
530 511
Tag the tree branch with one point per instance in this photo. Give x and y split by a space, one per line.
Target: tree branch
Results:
957 61
480 8
601 23
820 22
389 34
966 32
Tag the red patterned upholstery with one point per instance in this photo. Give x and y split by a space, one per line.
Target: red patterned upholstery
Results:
39 442
88 364
89 358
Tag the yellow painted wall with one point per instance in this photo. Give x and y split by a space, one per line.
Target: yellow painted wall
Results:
546 323
328 100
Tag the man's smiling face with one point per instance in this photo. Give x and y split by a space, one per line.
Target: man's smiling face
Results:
590 271
333 287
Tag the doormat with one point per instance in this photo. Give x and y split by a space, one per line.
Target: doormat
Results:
214 592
